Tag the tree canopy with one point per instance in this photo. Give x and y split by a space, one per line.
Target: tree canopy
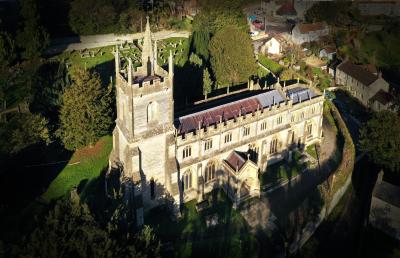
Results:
232 57
32 37
380 139
86 112
70 230
22 130
333 12
207 82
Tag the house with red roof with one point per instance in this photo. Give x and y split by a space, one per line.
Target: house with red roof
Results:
308 32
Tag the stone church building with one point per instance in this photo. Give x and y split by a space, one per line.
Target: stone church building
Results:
225 145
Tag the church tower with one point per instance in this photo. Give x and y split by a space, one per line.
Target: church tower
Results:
143 139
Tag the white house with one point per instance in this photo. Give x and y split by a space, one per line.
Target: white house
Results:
274 45
307 32
327 52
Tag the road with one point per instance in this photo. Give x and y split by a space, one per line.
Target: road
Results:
60 45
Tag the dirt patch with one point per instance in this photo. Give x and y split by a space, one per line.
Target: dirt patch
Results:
314 61
87 152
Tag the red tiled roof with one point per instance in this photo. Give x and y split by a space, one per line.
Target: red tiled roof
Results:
223 113
330 49
228 111
235 160
286 8
308 27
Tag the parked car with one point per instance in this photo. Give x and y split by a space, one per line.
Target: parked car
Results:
258 24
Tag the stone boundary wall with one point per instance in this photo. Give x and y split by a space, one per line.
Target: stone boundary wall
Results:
345 169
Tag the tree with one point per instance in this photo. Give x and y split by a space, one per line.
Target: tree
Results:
214 16
207 83
102 18
232 58
287 74
379 138
70 230
23 130
195 60
33 38
7 49
333 12
201 35
86 112
50 81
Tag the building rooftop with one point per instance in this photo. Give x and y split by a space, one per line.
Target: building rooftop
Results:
387 192
228 111
300 94
329 49
305 28
236 160
287 8
382 97
357 72
141 79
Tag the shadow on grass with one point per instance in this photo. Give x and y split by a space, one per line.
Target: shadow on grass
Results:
24 178
190 236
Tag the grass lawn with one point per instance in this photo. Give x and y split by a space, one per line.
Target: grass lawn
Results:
189 235
181 50
270 64
324 80
283 170
312 151
92 161
74 58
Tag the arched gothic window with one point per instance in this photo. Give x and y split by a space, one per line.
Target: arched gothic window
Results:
152 111
273 146
209 173
187 180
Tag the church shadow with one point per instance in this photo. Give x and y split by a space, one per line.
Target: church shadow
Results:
27 175
24 177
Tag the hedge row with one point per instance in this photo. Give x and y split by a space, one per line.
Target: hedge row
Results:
270 64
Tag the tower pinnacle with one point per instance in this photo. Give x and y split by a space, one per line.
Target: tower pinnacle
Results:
147 50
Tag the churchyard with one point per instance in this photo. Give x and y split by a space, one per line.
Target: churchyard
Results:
96 57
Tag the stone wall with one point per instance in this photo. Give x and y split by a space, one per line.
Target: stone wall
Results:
335 186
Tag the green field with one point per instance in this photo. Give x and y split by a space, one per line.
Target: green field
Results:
85 164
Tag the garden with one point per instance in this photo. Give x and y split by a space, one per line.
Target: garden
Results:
284 170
